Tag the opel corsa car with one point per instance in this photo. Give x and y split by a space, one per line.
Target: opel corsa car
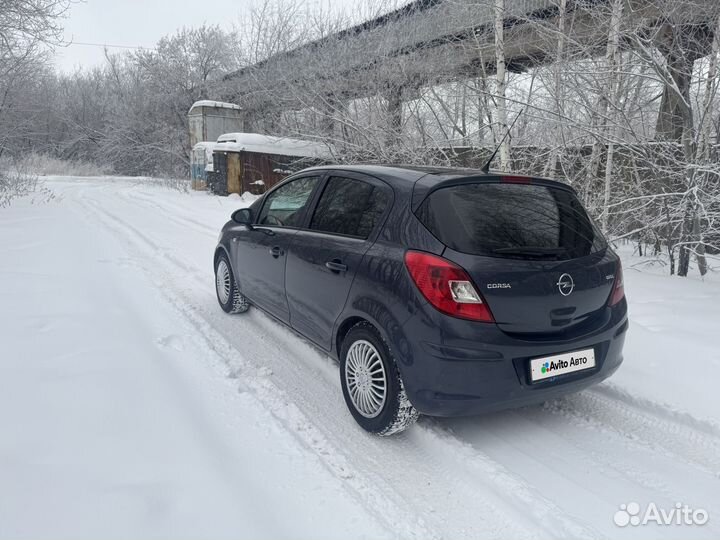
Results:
442 292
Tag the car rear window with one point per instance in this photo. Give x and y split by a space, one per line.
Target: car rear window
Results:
511 220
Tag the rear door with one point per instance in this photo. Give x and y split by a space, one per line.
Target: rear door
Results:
325 255
530 248
261 252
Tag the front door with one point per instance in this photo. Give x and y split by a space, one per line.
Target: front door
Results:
323 258
261 252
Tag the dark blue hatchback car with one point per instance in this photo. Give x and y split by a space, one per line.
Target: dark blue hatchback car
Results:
441 291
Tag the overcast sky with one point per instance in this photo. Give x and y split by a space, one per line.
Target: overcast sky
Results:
140 23
135 23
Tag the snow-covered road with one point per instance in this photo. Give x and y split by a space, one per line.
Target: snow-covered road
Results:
131 405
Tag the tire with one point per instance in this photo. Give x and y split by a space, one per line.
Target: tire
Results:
366 364
229 297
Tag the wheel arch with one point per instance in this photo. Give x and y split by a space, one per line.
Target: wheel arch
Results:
343 329
391 331
222 250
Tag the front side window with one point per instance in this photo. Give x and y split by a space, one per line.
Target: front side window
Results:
285 206
349 207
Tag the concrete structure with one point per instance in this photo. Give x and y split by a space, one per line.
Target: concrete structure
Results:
209 119
428 42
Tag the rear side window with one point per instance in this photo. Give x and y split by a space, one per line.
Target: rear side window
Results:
511 220
350 207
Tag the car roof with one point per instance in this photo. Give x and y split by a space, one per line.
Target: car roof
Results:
431 176
405 174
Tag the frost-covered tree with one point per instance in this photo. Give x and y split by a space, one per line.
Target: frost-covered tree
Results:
27 29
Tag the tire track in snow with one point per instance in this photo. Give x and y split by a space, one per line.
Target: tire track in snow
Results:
167 209
507 485
567 455
660 410
450 510
645 423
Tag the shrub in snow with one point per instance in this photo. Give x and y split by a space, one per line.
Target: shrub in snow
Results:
44 165
16 183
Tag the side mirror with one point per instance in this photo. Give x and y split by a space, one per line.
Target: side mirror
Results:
243 216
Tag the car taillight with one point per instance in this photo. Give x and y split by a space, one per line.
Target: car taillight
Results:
618 291
446 286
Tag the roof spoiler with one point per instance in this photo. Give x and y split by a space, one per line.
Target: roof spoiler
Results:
430 183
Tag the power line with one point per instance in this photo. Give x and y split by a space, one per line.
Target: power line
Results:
108 46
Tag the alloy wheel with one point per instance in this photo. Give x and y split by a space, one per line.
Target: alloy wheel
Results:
366 378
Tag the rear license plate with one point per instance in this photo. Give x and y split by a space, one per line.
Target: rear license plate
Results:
561 364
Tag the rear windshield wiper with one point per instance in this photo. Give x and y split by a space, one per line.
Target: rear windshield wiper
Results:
531 251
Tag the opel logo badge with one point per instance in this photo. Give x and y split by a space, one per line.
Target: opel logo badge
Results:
566 285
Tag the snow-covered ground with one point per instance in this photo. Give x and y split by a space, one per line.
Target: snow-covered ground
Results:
132 406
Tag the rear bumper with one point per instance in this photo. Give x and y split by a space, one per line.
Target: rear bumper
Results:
462 368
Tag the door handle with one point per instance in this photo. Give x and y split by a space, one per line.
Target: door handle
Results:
336 266
276 251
